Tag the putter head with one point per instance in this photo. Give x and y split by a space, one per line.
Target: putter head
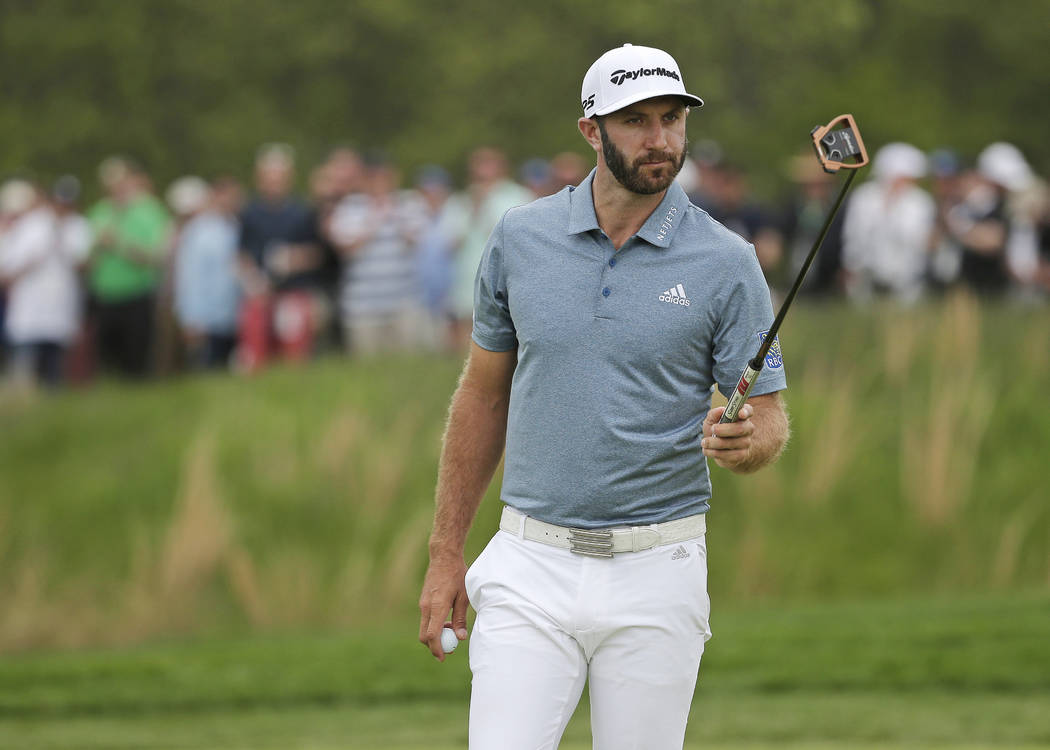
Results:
837 142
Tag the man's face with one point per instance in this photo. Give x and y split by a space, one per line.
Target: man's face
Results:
273 179
346 171
644 145
487 165
381 179
227 197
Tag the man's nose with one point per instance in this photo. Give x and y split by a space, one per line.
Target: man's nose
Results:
656 136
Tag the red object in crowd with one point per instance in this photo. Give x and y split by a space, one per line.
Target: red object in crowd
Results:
283 324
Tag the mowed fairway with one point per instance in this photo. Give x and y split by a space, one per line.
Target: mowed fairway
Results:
963 673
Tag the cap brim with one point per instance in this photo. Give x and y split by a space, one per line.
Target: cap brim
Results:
692 101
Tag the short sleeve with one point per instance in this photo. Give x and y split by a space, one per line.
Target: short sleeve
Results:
746 317
32 244
493 327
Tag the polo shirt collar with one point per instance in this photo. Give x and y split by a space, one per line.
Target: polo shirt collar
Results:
582 217
659 229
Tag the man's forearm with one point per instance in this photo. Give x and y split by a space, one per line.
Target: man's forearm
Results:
473 445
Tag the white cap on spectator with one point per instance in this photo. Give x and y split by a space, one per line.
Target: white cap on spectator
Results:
16 196
187 195
895 160
628 74
1004 164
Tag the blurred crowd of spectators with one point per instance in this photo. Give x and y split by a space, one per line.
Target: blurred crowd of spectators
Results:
209 277
920 224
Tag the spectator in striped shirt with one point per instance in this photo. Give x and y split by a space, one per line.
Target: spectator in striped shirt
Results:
375 233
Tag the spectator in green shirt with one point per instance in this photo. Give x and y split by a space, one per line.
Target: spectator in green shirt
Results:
131 235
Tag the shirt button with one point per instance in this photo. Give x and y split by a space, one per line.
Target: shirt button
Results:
606 292
612 262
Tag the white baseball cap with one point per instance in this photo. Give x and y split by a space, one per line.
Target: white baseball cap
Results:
187 195
16 196
1003 163
896 160
628 74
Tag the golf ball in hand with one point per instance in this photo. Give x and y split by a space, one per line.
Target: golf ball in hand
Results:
449 641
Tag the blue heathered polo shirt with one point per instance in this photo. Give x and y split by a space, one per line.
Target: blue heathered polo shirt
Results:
617 352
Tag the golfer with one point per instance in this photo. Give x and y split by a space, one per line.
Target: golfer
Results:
603 316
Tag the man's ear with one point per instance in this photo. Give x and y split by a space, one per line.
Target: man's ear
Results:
589 128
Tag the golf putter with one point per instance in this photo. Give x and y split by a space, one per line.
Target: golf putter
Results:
839 146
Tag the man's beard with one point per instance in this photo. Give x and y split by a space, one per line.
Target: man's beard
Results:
631 176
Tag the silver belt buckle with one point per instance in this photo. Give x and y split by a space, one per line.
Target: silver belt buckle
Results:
594 543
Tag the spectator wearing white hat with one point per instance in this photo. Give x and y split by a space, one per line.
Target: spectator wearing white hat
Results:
207 292
39 257
995 248
1041 214
1026 197
887 228
186 198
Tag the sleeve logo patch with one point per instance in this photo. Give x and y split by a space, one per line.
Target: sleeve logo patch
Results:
774 359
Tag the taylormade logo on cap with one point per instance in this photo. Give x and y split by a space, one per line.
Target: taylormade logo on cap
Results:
629 74
619 76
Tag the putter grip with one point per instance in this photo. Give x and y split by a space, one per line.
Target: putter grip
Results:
740 393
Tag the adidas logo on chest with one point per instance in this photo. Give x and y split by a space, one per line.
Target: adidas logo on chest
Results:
675 295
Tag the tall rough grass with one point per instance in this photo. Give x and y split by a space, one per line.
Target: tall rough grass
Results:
303 498
947 419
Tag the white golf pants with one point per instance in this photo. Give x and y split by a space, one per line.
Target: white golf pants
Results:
548 620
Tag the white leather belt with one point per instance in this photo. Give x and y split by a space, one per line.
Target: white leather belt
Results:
603 542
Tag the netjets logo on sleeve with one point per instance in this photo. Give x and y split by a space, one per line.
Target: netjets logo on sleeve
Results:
676 296
619 76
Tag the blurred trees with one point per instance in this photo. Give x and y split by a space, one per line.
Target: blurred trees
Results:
190 85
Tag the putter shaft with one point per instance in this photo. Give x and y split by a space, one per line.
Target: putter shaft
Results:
754 367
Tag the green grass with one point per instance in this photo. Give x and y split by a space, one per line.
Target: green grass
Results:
738 722
287 501
908 673
233 563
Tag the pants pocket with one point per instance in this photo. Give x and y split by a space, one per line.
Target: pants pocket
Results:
476 575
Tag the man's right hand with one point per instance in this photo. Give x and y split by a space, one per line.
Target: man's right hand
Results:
443 590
